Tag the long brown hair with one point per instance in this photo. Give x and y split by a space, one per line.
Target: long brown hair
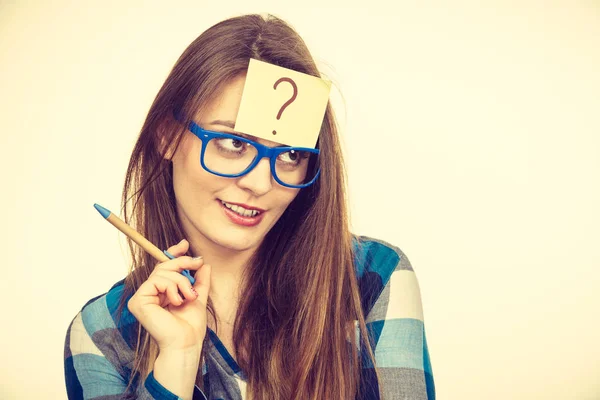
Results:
295 330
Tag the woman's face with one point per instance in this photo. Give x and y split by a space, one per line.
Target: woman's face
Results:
200 194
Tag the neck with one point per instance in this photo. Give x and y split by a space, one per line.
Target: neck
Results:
227 269
226 274
227 265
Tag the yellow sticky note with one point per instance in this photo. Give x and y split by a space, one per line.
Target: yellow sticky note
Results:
282 105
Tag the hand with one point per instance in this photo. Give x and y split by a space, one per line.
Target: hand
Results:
175 323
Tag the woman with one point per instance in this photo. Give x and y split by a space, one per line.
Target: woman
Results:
299 308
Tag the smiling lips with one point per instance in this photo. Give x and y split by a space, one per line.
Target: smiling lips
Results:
242 214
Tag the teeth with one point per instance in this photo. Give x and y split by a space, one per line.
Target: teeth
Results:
240 210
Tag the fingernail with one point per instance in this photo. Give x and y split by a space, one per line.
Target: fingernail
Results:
182 240
197 258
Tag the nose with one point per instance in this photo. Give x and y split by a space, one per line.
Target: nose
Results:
259 181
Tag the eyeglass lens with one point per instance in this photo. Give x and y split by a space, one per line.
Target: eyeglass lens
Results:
230 156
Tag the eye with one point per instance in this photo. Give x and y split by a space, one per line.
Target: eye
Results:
237 143
293 156
229 144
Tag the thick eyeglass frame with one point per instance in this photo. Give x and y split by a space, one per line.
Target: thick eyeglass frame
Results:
262 151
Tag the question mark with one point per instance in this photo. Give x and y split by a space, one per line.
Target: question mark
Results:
290 101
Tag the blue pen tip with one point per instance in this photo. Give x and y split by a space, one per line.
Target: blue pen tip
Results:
103 211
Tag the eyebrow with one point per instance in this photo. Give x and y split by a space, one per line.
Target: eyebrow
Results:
231 124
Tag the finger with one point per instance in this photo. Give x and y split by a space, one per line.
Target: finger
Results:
152 318
147 294
181 263
161 285
183 284
202 285
180 248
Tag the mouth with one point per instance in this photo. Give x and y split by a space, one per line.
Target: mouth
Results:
243 210
242 215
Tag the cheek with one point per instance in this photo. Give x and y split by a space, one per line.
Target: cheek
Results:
190 180
285 197
186 163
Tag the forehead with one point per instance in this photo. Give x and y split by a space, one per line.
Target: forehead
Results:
220 112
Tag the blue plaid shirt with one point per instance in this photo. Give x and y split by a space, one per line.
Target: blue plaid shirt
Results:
99 355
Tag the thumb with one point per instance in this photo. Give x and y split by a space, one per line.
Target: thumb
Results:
179 249
202 284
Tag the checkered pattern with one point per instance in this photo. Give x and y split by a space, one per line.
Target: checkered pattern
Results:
99 355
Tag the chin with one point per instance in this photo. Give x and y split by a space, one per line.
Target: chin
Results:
237 242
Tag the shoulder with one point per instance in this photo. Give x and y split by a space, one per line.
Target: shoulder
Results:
378 256
380 265
391 301
101 312
98 330
98 345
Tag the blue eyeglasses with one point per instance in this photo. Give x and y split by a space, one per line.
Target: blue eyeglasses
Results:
231 156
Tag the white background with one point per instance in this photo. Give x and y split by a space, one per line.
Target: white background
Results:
471 131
